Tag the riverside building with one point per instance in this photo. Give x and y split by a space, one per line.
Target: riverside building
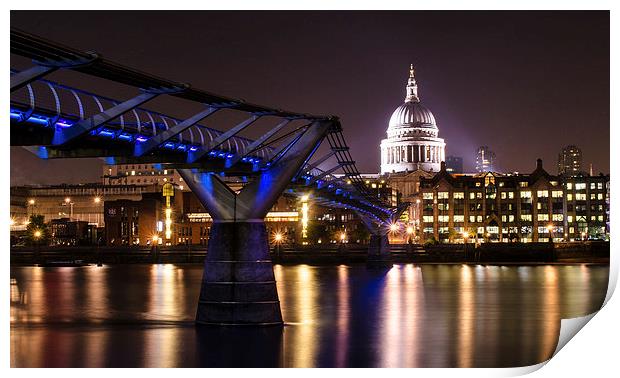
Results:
494 207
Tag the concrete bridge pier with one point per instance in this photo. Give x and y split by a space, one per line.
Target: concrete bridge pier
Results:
379 251
238 285
379 247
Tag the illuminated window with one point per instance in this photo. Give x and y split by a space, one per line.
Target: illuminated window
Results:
600 218
542 193
543 217
442 195
459 218
443 218
580 186
504 218
600 196
569 197
571 230
479 195
427 196
557 194
523 184
511 218
580 196
592 196
526 217
458 195
592 185
472 218
427 219
478 184
600 185
526 194
558 217
472 195
479 218
569 219
374 186
503 195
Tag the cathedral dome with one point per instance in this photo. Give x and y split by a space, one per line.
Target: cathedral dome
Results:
412 114
412 136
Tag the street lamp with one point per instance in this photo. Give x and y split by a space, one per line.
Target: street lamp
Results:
410 233
343 236
465 236
31 203
97 201
278 237
68 202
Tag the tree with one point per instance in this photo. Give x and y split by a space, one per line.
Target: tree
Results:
317 231
37 232
452 234
360 234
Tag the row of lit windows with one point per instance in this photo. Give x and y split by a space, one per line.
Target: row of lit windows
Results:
507 218
523 194
582 185
133 173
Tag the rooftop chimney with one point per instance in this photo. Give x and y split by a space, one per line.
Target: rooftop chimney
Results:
539 163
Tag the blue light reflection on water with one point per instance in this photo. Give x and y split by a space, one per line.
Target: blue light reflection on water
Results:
336 316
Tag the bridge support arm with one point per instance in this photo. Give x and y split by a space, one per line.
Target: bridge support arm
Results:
194 156
238 284
258 142
24 78
157 140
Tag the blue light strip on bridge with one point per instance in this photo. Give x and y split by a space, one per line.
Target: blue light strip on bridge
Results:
123 135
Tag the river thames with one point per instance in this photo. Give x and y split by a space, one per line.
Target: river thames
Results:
335 316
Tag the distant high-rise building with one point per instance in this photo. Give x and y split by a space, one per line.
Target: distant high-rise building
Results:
485 160
454 164
569 161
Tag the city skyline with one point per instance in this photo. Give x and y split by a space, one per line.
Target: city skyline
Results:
525 81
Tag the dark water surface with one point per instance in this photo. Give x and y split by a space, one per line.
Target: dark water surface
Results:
336 316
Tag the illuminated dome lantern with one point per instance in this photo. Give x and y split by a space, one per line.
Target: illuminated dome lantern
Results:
412 141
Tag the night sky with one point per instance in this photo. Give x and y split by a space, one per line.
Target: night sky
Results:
524 83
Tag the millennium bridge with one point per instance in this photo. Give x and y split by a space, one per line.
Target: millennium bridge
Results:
299 153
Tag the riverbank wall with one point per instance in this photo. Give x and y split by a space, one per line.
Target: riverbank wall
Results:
509 253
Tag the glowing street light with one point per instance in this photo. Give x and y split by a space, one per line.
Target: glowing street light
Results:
410 230
343 236
394 227
67 200
37 234
278 237
31 201
97 199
